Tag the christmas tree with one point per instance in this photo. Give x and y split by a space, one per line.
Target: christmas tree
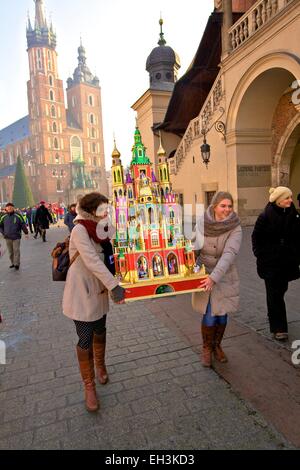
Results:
22 196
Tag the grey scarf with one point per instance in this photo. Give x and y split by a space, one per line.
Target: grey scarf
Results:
214 228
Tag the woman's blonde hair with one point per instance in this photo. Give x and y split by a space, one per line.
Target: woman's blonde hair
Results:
219 196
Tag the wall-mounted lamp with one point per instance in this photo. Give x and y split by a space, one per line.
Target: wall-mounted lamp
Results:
205 147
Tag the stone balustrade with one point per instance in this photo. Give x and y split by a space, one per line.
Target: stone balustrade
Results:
254 19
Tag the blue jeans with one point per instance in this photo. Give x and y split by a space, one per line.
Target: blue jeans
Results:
209 320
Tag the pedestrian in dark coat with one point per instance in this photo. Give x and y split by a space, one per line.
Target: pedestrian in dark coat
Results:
42 219
275 242
11 226
70 216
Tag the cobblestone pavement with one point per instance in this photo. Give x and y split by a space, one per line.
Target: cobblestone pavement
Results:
158 397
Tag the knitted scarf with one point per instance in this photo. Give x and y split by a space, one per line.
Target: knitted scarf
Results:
214 228
91 226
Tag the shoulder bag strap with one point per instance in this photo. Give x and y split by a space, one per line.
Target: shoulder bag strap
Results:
74 258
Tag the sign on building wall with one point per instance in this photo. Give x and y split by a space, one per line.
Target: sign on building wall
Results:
253 176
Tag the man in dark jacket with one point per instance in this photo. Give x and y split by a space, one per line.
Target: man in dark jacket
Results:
11 226
275 242
70 216
42 219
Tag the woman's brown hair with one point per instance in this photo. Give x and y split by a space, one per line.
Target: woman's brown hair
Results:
220 196
91 201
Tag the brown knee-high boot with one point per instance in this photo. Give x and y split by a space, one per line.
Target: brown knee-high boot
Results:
86 365
218 351
99 343
208 334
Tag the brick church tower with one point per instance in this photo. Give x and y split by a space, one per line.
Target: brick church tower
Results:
67 147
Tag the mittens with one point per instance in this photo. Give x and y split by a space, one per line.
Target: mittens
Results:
118 294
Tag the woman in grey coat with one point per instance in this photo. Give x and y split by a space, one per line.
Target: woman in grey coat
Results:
89 280
221 234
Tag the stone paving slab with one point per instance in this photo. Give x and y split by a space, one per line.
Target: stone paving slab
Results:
159 396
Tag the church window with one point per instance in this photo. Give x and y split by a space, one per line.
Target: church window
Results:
120 192
50 80
168 75
51 95
58 185
76 148
154 239
92 119
54 173
57 159
95 161
54 127
158 76
116 194
53 111
91 100
73 101
39 59
161 176
167 191
55 143
94 147
49 61
165 173
142 215
93 133
151 215
140 153
119 176
115 179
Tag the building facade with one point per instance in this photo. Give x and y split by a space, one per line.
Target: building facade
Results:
62 147
242 97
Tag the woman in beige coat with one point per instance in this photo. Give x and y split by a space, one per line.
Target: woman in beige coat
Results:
85 298
222 237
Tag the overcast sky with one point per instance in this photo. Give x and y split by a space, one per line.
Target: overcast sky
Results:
118 36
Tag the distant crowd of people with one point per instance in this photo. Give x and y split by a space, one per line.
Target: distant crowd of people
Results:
36 220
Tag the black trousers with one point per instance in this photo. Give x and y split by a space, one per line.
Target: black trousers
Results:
85 331
276 288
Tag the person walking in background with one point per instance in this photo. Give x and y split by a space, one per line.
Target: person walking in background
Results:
85 298
70 216
34 224
28 215
222 241
11 226
42 219
298 199
275 243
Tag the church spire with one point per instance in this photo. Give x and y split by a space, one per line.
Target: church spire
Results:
40 21
40 35
162 40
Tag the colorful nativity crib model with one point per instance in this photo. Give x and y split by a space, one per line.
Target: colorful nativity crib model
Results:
152 256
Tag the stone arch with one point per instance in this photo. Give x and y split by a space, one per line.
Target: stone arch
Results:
250 130
276 60
286 170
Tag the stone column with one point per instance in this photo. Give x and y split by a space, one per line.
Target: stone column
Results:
227 23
